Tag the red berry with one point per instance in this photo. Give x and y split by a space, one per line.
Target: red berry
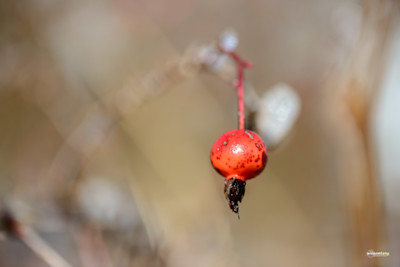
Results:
238 155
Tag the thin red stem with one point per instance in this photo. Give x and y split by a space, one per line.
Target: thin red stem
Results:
240 65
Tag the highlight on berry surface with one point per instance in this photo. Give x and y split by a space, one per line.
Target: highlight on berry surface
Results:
239 154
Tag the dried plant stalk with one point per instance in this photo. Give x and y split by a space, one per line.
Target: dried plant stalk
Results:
350 104
32 240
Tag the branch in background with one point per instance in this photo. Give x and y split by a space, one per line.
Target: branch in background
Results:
213 58
14 228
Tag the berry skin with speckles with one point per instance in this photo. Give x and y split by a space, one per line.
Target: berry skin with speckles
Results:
238 155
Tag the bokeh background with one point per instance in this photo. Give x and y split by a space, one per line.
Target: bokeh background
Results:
108 114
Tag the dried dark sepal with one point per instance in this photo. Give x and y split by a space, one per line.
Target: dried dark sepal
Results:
234 192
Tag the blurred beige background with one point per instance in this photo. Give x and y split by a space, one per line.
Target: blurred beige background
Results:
104 186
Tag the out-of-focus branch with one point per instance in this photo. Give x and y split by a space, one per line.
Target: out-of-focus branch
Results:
14 228
195 60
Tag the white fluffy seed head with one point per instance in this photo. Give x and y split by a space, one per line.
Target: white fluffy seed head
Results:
278 111
107 204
